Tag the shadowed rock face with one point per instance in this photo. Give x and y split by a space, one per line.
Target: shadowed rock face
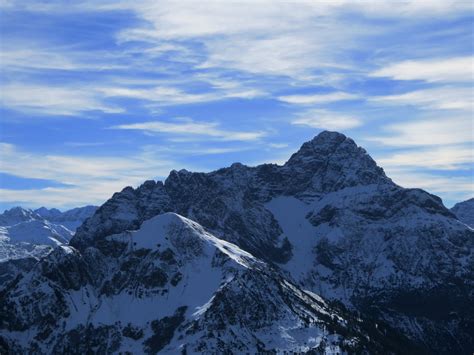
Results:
329 221
464 211
331 162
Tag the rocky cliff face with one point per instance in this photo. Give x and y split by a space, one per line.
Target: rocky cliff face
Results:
329 221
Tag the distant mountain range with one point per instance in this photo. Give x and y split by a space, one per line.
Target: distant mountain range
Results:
71 219
27 235
25 232
324 254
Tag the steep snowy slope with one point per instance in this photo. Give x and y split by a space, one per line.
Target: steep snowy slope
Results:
171 286
465 212
333 221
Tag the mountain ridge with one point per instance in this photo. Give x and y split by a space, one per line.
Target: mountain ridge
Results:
213 296
330 222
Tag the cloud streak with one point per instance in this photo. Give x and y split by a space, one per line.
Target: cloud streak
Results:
428 132
51 100
187 127
445 158
175 96
318 98
326 120
443 98
91 179
459 69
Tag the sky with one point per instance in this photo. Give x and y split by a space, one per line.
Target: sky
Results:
99 95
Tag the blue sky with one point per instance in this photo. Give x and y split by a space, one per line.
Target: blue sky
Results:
98 95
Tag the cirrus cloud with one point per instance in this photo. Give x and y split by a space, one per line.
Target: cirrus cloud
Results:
458 69
318 98
188 127
326 120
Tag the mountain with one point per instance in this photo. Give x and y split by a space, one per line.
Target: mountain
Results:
171 286
17 215
71 219
24 233
465 212
26 236
328 221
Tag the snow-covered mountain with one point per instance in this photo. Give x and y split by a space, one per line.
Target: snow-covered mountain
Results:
171 286
24 233
465 212
27 233
26 236
17 215
329 222
71 219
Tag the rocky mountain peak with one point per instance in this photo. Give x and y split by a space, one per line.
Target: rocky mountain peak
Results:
323 144
17 215
332 161
326 145
48 213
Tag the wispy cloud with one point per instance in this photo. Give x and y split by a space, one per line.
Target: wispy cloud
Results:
318 98
188 127
459 69
445 158
434 131
453 189
273 38
175 96
444 98
278 145
84 144
326 120
78 99
91 179
26 57
48 99
23 58
195 149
